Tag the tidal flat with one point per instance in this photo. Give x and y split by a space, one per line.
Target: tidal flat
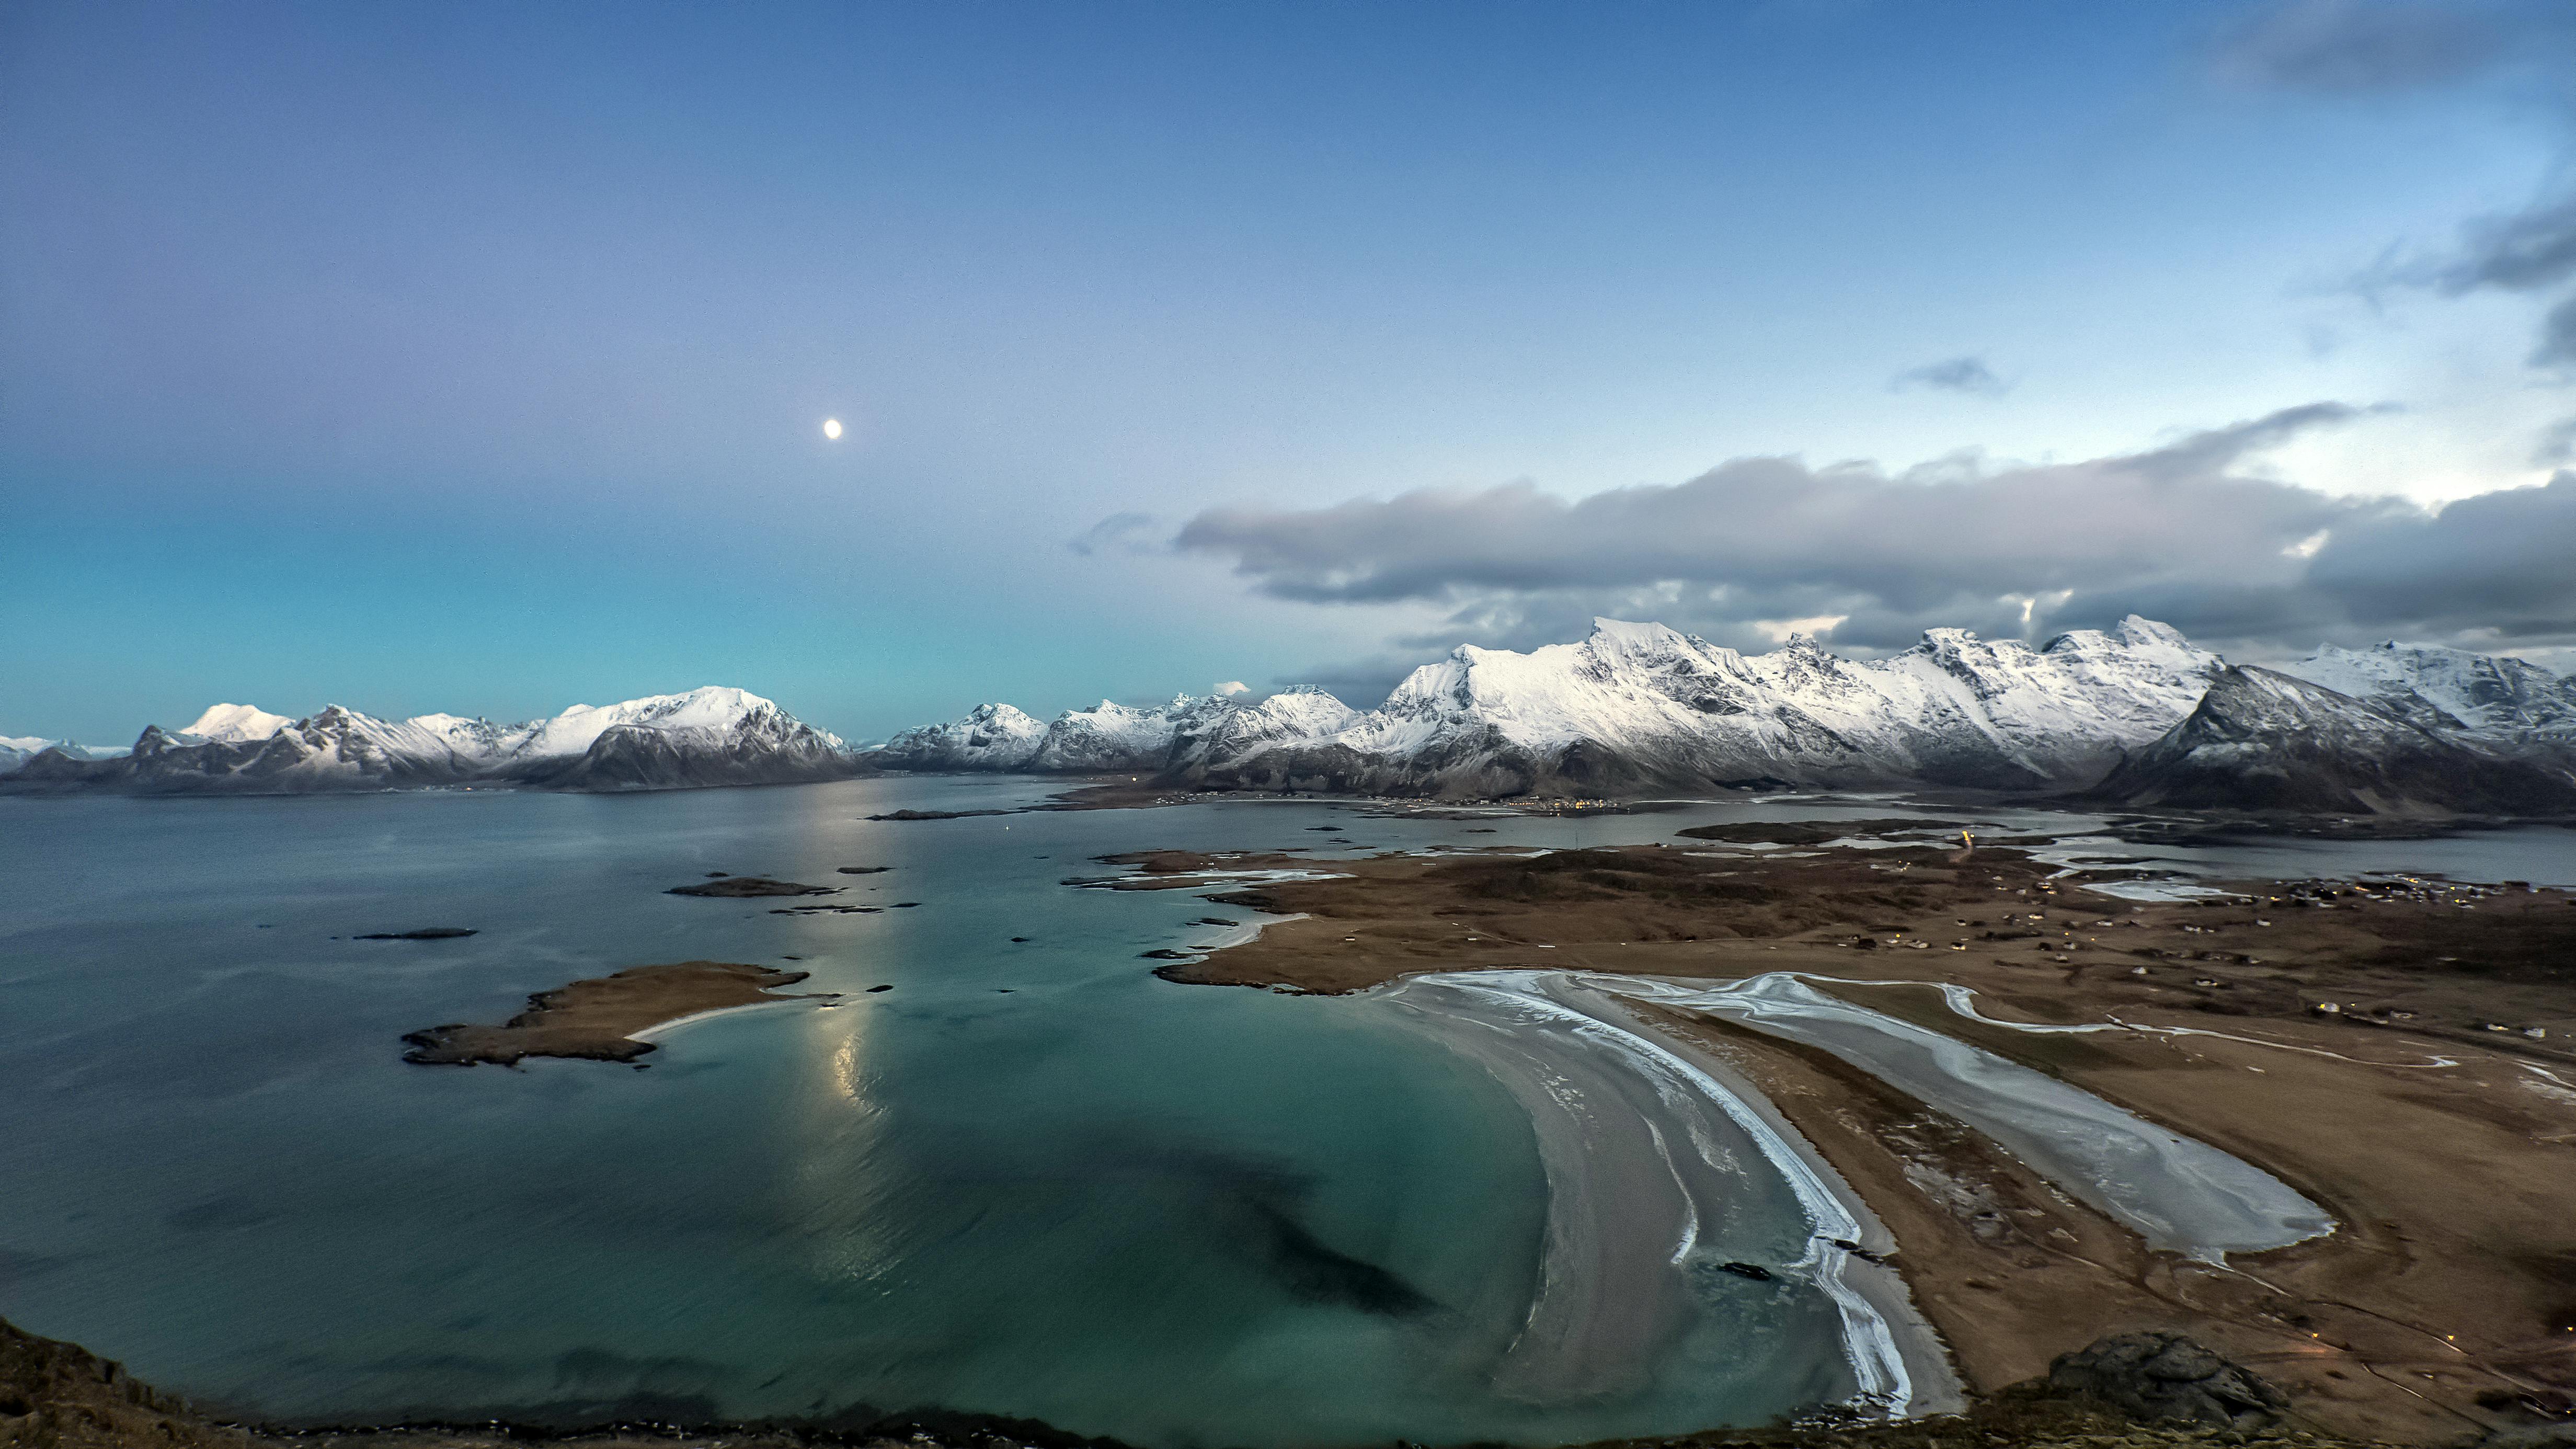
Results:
2320 1123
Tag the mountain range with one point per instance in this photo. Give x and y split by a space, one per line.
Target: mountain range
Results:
709 736
2270 741
1634 707
2136 715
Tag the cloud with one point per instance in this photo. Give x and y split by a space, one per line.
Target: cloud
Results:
1366 681
2182 532
2520 252
1957 374
2363 48
2557 445
2360 47
1230 687
2389 45
2496 561
1119 533
2557 337
2528 251
2533 250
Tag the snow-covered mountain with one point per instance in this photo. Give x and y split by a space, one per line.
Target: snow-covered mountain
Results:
1630 707
2442 688
1113 738
989 737
709 736
673 741
16 750
234 724
2261 740
1637 706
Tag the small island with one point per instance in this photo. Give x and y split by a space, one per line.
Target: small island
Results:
596 1019
750 887
425 933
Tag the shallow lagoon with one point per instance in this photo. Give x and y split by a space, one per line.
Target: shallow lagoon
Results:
1031 1179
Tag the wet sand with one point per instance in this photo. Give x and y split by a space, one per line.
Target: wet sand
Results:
2443 1149
606 1018
1641 1146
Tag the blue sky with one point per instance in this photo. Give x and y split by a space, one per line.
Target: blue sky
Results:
474 357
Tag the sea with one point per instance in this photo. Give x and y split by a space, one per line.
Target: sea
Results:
1029 1180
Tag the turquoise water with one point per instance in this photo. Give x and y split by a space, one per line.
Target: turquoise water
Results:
1030 1179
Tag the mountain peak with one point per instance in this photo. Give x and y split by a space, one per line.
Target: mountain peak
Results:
1604 627
2137 629
234 723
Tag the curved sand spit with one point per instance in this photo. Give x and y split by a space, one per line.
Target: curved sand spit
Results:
1645 1149
1646 1140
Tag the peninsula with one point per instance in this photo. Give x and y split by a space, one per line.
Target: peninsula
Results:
2397 1050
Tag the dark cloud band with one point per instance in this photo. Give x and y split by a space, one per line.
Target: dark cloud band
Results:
2179 532
1957 374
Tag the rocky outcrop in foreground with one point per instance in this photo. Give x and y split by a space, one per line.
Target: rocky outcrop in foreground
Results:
56 1395
2158 1376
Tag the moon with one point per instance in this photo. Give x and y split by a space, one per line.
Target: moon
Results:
832 429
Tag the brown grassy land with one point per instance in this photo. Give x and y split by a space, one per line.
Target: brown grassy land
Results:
596 1019
2442 1305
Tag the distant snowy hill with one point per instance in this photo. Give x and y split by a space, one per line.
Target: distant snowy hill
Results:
1636 706
2448 688
2137 715
710 736
1110 738
2261 740
18 750
234 724
989 737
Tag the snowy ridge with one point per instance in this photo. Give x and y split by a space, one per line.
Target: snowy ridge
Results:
1635 705
708 736
578 728
1110 737
989 737
2262 740
2444 688
2137 711
16 750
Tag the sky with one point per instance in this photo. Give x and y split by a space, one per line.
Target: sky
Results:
475 357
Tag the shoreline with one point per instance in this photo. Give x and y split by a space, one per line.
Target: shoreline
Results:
1928 1359
613 1018
1616 1201
2433 1308
2083 1145
662 1032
